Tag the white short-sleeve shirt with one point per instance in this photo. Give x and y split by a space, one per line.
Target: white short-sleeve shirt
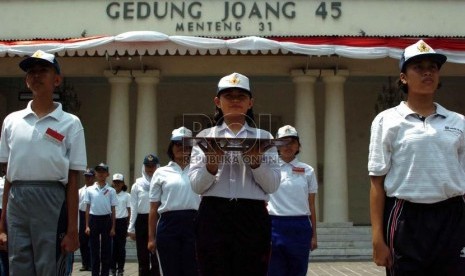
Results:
140 203
124 202
100 199
42 148
297 182
82 194
172 188
424 161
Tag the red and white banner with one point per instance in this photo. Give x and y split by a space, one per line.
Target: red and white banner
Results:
151 43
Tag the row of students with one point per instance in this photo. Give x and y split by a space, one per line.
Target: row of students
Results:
233 195
235 119
104 212
233 231
210 240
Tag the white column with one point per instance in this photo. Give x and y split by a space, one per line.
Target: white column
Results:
305 121
118 147
146 118
336 196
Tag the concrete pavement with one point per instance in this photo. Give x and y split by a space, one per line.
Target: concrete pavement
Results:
363 268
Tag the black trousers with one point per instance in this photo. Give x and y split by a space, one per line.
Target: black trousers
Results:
233 237
118 259
100 244
176 243
84 244
426 239
148 262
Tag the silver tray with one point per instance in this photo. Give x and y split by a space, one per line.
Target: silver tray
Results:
235 144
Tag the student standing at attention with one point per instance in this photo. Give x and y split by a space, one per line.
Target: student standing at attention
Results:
122 211
416 165
44 149
292 211
138 226
233 225
173 209
84 245
100 220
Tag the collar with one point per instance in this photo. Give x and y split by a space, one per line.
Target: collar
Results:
175 166
97 186
293 163
56 114
223 128
405 111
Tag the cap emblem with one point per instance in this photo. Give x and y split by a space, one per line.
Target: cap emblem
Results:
37 54
234 80
423 48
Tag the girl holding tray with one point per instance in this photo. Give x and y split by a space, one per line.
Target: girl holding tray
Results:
233 225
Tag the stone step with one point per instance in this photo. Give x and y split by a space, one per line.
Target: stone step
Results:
346 244
323 254
364 230
344 237
342 251
342 241
336 241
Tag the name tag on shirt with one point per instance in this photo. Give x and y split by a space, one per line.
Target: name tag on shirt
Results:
54 136
298 170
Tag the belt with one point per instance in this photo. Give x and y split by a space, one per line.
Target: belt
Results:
232 201
100 216
445 203
42 183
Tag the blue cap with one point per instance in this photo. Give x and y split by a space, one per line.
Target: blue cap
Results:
89 172
151 159
102 166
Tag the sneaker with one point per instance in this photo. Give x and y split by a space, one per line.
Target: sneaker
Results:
113 272
85 269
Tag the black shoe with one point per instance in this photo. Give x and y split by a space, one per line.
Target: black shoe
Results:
85 269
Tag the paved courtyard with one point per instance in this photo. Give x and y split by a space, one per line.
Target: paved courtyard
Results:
314 269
